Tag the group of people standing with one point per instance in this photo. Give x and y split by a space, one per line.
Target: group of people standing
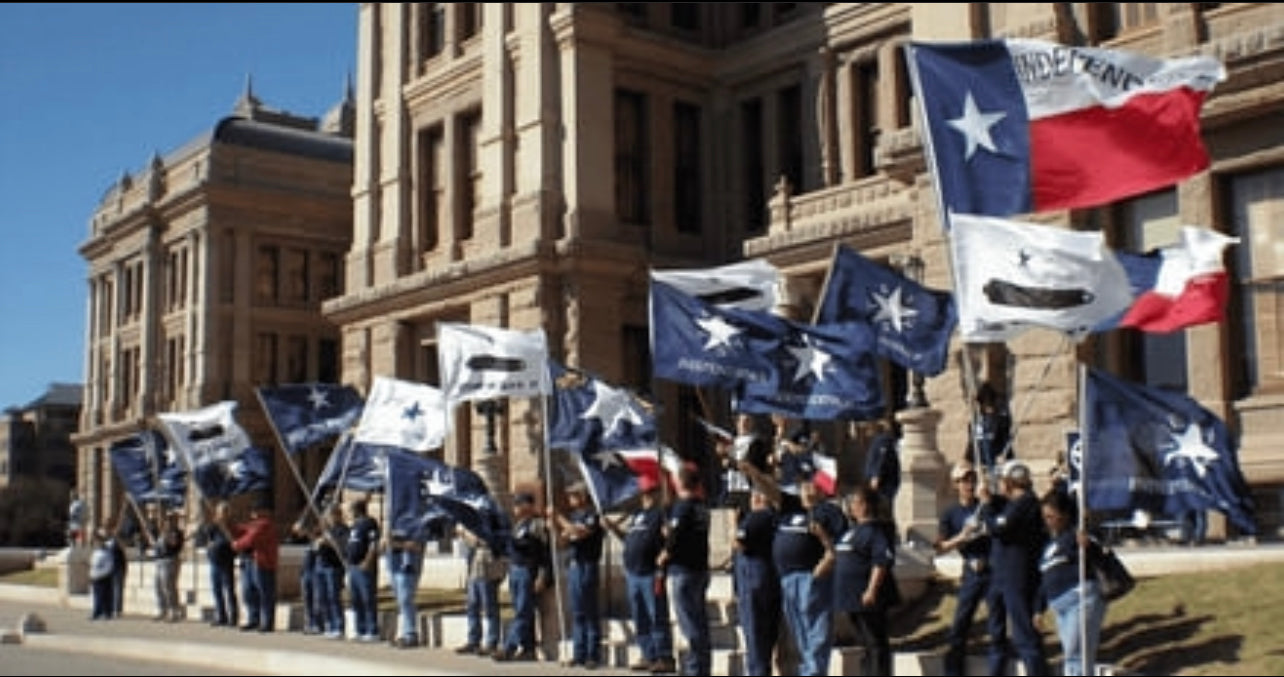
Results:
1021 556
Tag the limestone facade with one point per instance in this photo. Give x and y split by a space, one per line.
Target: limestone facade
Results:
206 272
526 165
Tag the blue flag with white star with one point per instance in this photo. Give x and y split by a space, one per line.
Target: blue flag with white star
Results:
701 344
149 469
305 414
587 413
820 372
611 431
403 414
1159 451
424 493
912 324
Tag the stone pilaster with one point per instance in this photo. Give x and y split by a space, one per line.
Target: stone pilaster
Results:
922 469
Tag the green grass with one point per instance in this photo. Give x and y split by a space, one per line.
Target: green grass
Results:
42 577
1207 623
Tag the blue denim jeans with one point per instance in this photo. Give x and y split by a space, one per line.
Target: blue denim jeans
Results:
586 618
329 591
307 590
223 588
405 584
690 593
265 588
758 605
249 592
483 605
1068 609
650 616
363 592
807 604
521 588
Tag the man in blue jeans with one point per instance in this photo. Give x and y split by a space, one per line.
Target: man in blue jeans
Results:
644 580
485 571
363 571
405 561
804 557
582 531
686 558
528 574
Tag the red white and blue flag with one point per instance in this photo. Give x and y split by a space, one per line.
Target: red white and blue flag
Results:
1017 126
1177 286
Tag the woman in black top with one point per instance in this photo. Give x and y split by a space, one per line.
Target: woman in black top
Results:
864 586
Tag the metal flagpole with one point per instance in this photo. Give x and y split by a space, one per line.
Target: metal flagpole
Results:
289 459
1082 494
558 582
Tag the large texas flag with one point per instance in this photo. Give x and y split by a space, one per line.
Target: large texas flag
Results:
1018 126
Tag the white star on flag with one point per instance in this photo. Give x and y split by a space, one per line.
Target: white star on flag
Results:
975 127
810 359
607 459
892 308
611 406
1190 446
719 330
318 398
439 483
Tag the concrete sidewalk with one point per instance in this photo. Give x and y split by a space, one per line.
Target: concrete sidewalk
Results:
68 628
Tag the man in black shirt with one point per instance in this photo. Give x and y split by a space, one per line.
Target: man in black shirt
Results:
803 554
686 558
757 584
582 530
528 571
644 579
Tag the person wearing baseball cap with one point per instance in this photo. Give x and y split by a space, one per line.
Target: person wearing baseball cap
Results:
961 531
645 586
1014 520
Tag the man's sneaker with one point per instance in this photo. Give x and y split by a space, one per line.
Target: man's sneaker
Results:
334 634
368 638
663 666
642 665
466 649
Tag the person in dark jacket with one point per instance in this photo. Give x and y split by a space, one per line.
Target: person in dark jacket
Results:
1017 539
864 584
645 584
528 575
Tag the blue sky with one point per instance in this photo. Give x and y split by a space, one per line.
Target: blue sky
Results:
92 91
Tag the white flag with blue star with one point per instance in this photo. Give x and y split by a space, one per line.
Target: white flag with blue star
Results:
403 414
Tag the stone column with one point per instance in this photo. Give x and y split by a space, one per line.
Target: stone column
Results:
922 469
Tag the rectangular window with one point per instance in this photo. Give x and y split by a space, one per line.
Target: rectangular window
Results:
296 276
329 275
470 19
685 16
789 136
296 359
432 29
631 158
864 116
266 272
328 361
265 360
432 186
687 180
753 166
634 12
1257 282
471 174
